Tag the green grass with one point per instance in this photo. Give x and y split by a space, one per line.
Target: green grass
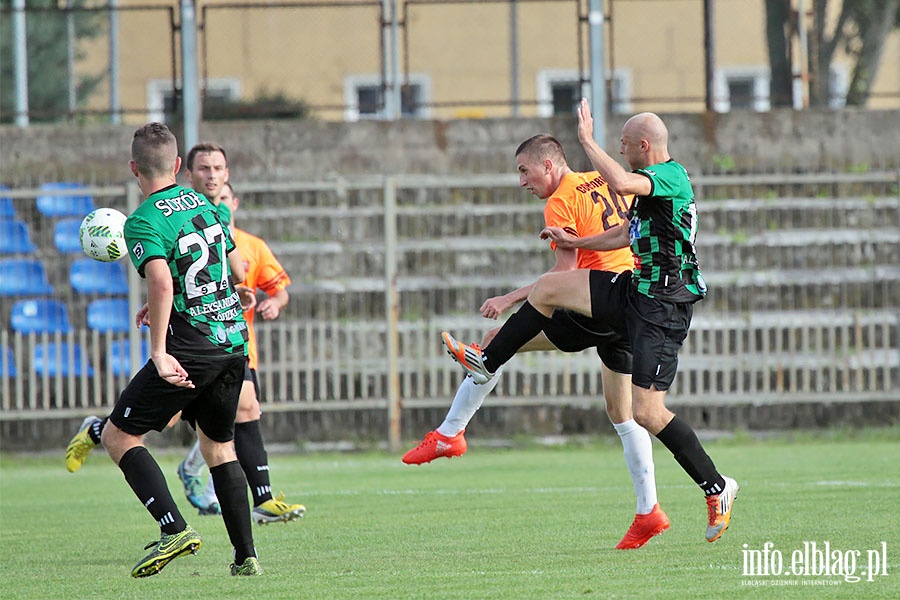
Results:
521 523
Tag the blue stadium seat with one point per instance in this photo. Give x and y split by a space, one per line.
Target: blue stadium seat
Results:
119 354
61 359
65 205
14 237
7 209
23 277
40 316
7 362
108 314
66 236
89 276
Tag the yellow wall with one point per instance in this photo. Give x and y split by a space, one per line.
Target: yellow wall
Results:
463 49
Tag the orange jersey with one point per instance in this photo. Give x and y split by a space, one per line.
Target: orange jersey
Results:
584 205
264 272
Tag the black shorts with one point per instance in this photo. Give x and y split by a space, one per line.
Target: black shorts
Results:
655 328
149 402
570 331
250 375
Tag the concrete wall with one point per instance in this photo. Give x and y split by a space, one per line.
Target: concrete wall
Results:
309 150
366 428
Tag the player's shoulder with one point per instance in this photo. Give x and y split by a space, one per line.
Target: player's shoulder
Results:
668 168
579 182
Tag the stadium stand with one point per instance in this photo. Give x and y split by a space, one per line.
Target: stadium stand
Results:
67 205
89 276
15 237
119 357
23 277
41 315
66 235
60 358
7 362
7 209
108 315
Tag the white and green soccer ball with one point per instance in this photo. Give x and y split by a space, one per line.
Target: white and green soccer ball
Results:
103 235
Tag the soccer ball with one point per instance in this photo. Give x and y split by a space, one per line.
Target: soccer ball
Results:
102 235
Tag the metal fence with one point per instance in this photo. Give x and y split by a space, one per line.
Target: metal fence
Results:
804 297
344 59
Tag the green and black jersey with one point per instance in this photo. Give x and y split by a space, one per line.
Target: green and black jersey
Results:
182 227
663 229
224 213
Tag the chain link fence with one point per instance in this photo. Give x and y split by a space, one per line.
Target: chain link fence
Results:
339 60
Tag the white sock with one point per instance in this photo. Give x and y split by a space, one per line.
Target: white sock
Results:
210 494
639 458
468 399
194 463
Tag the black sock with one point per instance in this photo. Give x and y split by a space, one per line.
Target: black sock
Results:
518 330
96 429
682 442
231 488
146 479
251 452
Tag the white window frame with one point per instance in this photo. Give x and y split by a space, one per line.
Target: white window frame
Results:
839 86
759 75
351 98
158 88
837 90
545 79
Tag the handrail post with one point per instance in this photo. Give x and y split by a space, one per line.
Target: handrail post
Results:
392 312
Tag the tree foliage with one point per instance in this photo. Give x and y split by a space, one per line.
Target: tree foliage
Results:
46 35
860 30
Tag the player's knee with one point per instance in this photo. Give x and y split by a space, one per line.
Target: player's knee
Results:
618 413
649 409
110 434
642 417
543 290
217 453
248 413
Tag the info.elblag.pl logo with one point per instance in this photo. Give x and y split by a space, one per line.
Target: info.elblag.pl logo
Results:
815 560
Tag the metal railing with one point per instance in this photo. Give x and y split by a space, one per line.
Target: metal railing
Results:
367 335
435 58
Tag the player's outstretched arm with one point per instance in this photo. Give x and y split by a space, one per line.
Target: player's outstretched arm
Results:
248 297
611 239
142 316
621 181
270 308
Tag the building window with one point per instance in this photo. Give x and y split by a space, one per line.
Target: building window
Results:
566 95
742 88
364 97
837 89
559 91
838 86
163 101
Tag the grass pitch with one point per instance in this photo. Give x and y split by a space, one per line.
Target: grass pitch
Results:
531 522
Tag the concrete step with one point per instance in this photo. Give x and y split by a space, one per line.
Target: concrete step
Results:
730 291
436 219
489 256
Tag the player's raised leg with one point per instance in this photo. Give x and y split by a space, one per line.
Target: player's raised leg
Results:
189 472
81 444
254 459
149 485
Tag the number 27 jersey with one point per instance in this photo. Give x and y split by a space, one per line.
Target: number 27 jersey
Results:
180 226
